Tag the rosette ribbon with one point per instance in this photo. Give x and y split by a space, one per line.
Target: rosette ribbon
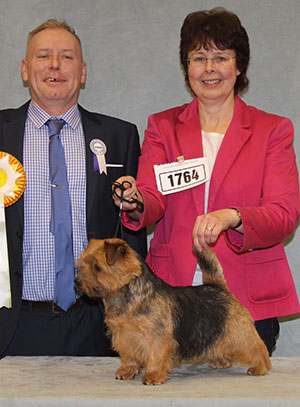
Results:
12 185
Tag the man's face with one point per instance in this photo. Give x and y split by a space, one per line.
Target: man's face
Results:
54 70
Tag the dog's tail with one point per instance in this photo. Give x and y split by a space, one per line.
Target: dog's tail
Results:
210 267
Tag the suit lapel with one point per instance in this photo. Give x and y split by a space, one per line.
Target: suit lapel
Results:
92 130
13 132
13 136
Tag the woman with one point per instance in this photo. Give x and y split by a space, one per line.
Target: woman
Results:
251 202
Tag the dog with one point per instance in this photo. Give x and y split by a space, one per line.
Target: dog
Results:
155 326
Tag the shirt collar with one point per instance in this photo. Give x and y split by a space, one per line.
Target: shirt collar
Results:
39 117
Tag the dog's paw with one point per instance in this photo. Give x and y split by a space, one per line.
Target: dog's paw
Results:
261 366
257 370
220 363
154 378
127 373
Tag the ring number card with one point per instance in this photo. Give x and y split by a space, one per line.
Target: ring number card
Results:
179 176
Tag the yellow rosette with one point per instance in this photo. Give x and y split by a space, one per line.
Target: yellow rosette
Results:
12 185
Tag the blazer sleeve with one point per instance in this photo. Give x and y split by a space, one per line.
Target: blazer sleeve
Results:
279 209
153 152
135 238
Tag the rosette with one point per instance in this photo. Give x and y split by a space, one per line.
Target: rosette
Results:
12 178
12 185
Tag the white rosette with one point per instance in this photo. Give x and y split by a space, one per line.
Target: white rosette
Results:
12 184
99 149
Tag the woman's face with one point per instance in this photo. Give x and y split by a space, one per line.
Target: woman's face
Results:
212 80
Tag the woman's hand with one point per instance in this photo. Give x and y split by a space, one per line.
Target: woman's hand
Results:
130 192
208 227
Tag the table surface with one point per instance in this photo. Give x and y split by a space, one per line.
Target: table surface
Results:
89 382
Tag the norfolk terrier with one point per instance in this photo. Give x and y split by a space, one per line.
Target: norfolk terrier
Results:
155 326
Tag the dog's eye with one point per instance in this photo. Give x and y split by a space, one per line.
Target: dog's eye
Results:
97 269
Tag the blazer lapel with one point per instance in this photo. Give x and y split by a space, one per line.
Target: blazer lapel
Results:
188 133
235 138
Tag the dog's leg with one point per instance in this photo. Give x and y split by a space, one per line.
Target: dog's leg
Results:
241 344
128 344
159 362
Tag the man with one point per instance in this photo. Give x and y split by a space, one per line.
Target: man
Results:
55 71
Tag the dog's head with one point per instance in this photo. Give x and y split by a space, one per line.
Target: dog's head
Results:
105 266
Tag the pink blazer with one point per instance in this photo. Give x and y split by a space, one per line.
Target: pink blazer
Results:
255 171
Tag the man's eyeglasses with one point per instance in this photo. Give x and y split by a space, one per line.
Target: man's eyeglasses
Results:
199 60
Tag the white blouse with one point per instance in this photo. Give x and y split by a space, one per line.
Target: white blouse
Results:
211 144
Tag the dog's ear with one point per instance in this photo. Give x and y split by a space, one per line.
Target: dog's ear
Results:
113 252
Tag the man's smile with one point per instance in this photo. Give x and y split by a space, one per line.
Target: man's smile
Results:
54 80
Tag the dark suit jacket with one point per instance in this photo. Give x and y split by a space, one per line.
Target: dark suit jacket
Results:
122 142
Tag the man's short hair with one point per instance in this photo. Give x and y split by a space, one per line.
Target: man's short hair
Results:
52 24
